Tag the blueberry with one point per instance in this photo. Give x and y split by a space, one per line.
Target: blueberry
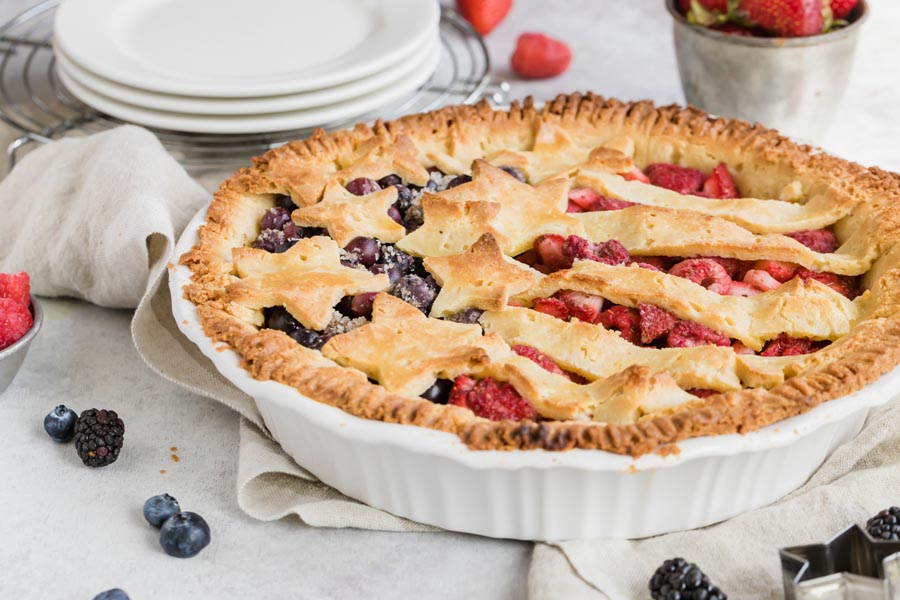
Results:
184 535
366 249
60 424
439 393
458 180
404 198
390 256
393 271
514 172
113 594
361 304
308 337
395 214
413 218
275 218
159 508
362 186
279 318
416 291
469 315
390 180
285 201
271 240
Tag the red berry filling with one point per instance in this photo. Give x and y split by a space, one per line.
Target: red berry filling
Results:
545 362
491 399
587 200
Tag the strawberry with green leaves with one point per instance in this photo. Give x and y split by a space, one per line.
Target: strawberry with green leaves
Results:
785 18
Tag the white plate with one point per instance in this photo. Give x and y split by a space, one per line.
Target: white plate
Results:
233 124
226 48
409 66
431 477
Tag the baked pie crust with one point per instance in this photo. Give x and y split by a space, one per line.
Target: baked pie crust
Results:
627 399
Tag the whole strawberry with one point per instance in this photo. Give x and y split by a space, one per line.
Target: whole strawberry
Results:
784 18
538 56
841 8
483 15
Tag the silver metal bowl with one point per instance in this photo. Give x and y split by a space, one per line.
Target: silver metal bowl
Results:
11 357
791 84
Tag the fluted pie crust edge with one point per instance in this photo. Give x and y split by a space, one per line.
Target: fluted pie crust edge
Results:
870 350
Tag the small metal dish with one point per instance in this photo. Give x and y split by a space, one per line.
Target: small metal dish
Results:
794 85
11 357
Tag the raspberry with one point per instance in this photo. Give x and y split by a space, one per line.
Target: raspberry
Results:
678 179
720 184
761 280
553 307
842 285
817 240
702 271
654 322
687 334
610 252
625 320
781 271
590 201
539 358
16 287
785 345
487 399
549 249
584 307
15 321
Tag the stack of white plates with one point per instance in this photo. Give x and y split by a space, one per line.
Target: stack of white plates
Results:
236 66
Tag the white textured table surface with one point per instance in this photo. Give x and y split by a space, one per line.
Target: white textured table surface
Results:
84 358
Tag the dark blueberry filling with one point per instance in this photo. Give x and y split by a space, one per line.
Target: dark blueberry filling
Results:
515 173
285 201
416 290
366 250
439 393
362 186
469 315
277 317
277 232
458 180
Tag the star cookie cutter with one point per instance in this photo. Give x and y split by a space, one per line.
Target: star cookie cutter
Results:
851 565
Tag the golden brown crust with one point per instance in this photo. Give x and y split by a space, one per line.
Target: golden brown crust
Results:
767 166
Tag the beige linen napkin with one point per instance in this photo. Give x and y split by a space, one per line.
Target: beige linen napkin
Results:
93 217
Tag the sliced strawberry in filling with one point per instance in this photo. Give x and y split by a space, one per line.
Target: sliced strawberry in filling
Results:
688 334
761 280
683 180
785 345
553 307
817 240
655 322
587 200
720 183
779 270
701 392
703 271
545 362
610 252
490 399
548 250
584 307
635 175
842 285
627 321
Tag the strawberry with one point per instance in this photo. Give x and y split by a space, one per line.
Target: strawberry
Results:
16 287
740 348
549 249
687 334
626 320
573 208
702 271
553 307
761 280
655 322
683 180
818 240
538 56
739 288
491 399
635 175
584 307
587 200
779 270
541 360
784 18
484 15
735 267
720 184
842 285
841 8
610 252
785 345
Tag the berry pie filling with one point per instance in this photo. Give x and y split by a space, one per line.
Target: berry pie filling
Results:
644 325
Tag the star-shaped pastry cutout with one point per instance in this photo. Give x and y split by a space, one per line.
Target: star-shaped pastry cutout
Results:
525 212
406 352
347 216
308 280
303 173
554 153
482 277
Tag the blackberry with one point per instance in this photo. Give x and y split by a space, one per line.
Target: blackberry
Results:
885 525
677 579
113 594
99 435
60 424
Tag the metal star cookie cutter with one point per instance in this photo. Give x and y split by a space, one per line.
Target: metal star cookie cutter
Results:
851 565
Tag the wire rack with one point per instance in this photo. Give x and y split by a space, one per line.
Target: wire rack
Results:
35 101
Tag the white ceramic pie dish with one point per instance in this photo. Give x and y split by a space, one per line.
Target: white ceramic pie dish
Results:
432 477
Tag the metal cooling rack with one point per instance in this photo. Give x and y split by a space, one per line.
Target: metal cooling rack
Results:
34 100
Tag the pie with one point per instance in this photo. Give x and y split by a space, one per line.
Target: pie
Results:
594 274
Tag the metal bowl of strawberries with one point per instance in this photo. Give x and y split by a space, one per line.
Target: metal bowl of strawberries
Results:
782 63
20 320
